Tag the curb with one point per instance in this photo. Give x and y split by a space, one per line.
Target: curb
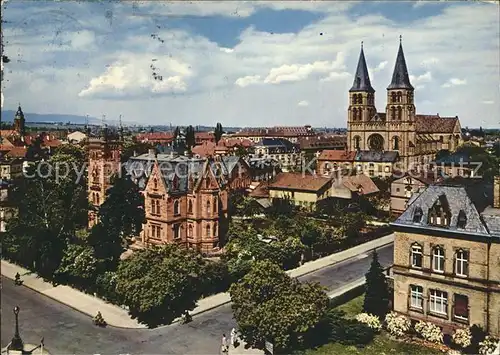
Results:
73 307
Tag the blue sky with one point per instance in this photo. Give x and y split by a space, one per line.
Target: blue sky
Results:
247 63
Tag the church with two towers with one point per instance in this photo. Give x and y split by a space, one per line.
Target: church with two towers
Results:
415 137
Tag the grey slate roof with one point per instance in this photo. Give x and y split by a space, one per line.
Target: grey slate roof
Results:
361 78
376 156
473 200
400 77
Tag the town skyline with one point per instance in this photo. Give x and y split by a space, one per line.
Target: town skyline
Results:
297 59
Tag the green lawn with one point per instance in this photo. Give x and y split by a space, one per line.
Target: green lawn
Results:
382 344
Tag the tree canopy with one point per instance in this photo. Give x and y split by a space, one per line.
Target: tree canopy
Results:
269 305
377 291
218 132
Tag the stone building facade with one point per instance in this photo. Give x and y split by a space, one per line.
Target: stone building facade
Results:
415 137
185 199
447 258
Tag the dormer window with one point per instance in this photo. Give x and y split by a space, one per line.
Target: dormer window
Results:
462 220
417 215
439 213
155 183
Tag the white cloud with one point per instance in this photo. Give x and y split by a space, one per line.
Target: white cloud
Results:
248 80
303 103
488 102
227 50
454 82
134 78
297 72
424 78
428 62
333 76
381 65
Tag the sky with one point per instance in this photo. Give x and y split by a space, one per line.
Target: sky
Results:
247 63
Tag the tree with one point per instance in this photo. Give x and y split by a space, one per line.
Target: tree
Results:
190 137
269 305
131 147
377 291
120 216
160 284
310 235
218 132
351 223
241 151
78 267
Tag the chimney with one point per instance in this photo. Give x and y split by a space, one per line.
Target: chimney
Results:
496 192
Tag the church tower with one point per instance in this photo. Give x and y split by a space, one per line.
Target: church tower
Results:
400 110
361 105
104 163
20 122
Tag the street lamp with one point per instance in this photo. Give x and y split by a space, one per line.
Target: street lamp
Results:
17 342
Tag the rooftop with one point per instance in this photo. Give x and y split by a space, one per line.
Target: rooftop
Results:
299 181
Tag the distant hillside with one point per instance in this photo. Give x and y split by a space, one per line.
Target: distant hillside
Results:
8 116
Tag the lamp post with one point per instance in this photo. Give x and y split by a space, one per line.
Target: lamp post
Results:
17 342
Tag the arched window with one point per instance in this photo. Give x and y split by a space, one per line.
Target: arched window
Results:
399 96
441 139
353 99
208 206
409 97
417 215
354 114
177 210
215 205
360 99
438 259
360 114
393 97
153 207
190 206
439 213
158 207
416 255
462 219
396 143
215 230
155 183
190 230
97 199
207 230
357 141
462 262
393 113
400 113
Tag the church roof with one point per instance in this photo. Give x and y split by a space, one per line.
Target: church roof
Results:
361 78
435 124
400 77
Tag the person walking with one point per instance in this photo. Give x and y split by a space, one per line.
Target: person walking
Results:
233 336
224 344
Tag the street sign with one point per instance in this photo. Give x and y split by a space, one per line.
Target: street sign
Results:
269 347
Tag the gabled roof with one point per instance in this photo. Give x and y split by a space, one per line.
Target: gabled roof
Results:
400 77
360 184
472 199
299 181
362 78
435 124
337 155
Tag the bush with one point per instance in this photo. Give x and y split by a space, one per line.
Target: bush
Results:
429 332
462 337
488 345
397 325
370 320
478 336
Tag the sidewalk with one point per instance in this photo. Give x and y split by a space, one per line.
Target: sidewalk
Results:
118 317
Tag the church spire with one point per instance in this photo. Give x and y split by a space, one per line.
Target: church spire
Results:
400 77
361 78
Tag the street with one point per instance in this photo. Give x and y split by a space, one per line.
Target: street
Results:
68 331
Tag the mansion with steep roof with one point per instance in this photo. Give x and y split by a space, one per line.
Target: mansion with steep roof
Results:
415 137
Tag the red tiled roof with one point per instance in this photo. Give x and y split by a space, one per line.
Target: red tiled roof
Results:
361 184
299 181
156 136
337 155
261 191
16 152
287 131
435 124
205 149
323 141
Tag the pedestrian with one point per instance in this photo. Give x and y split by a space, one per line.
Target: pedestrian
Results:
233 336
224 344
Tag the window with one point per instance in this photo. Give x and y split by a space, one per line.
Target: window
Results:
400 113
190 206
461 307
97 199
439 213
462 219
207 230
357 142
153 207
416 255
157 206
158 232
416 297
208 206
438 302
177 210
438 259
396 143
155 183
176 231
215 229
417 215
462 263
393 97
215 205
